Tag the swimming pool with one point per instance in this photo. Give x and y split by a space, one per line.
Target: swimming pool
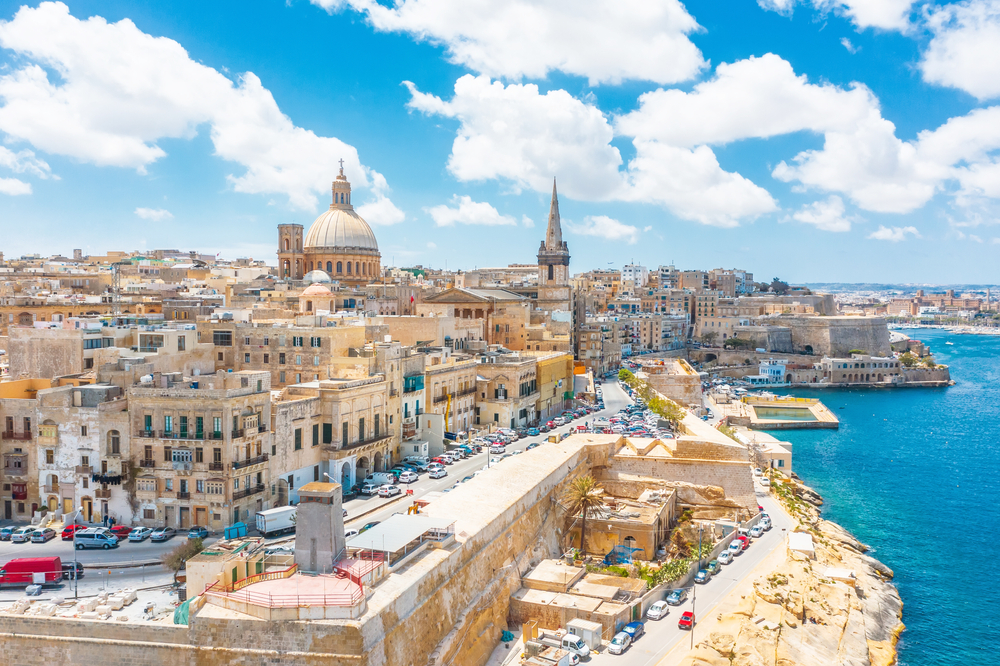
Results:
783 413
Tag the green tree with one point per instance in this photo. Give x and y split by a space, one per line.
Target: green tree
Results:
908 360
583 497
626 376
779 287
738 343
709 337
175 559
930 362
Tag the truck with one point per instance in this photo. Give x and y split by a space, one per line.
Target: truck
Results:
31 570
276 521
564 641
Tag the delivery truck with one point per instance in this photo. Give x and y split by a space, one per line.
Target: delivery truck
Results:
31 570
276 521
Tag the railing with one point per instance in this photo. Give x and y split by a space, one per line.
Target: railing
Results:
440 398
268 600
51 488
213 435
149 463
102 494
462 394
84 469
182 465
216 466
16 435
363 442
262 428
238 464
238 432
261 577
15 471
393 393
183 494
246 492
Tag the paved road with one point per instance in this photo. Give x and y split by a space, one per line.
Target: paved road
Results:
662 635
614 399
127 551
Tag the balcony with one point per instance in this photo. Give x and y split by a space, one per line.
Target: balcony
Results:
393 393
147 463
15 471
216 466
84 469
9 434
182 465
462 394
213 435
51 488
102 494
239 464
179 434
262 428
239 432
439 399
354 445
183 494
247 492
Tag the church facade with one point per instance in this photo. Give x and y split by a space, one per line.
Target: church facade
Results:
339 242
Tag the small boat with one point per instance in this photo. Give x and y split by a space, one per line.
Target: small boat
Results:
949 343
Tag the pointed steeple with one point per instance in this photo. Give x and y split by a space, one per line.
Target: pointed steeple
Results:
553 236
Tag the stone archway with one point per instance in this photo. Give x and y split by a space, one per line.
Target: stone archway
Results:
377 462
345 476
282 493
362 469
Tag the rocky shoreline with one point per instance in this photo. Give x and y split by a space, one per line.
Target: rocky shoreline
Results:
838 607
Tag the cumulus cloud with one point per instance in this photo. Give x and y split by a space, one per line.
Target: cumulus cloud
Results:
154 214
380 210
826 215
605 227
964 51
883 14
604 41
527 222
117 91
467 211
893 234
24 161
14 186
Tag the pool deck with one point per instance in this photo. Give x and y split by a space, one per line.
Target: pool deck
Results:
743 413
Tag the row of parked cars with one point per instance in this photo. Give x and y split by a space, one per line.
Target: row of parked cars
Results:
95 537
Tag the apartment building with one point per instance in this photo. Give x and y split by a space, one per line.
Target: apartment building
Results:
507 386
450 381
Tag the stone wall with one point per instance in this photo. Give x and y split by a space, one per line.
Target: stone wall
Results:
837 336
732 476
771 338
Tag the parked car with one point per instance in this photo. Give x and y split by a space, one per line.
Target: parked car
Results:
43 534
725 557
764 481
350 533
5 532
368 526
95 537
686 621
140 534
757 472
714 567
619 643
765 522
408 477
389 491
533 432
702 577
437 473
735 548
162 534
198 532
657 611
634 630
756 531
677 597
22 535
121 531
745 540
369 489
67 533
72 570
533 445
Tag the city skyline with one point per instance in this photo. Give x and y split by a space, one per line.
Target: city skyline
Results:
816 141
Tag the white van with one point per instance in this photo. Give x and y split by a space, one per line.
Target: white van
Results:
380 478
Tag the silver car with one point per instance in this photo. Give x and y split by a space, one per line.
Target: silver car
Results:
22 535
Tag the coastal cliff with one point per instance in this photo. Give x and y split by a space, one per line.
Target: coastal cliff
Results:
836 606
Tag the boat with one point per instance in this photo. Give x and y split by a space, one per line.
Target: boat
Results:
949 343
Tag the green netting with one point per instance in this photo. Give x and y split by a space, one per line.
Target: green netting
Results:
181 613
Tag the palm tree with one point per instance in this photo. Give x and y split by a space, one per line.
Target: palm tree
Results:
583 497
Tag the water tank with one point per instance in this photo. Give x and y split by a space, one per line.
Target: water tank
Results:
145 379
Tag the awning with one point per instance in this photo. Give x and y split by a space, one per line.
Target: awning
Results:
396 532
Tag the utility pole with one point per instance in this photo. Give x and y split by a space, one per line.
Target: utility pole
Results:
694 589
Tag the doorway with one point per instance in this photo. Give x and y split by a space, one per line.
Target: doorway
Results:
8 510
201 516
53 503
168 516
88 509
67 505
185 517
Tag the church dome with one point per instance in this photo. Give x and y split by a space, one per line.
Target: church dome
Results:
314 277
340 229
316 290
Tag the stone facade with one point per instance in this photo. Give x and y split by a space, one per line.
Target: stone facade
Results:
838 336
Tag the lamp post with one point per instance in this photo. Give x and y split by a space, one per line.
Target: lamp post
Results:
694 589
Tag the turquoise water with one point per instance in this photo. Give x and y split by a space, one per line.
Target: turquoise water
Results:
915 473
783 414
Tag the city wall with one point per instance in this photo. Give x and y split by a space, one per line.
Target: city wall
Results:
837 336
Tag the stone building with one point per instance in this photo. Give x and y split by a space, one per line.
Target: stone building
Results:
339 242
450 383
553 264
674 378
508 389
200 449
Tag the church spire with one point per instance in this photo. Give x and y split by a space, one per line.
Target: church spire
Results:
553 236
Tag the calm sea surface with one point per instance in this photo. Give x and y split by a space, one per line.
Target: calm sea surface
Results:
915 473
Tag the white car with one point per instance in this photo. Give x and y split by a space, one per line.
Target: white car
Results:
756 531
765 522
757 472
140 534
437 473
725 557
736 547
657 611
389 491
765 481
619 643
350 533
408 477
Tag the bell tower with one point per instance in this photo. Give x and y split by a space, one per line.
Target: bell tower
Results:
553 263
291 264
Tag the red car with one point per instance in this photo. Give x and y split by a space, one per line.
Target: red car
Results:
745 540
686 621
70 530
121 531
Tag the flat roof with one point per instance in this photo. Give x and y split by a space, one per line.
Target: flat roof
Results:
800 541
396 531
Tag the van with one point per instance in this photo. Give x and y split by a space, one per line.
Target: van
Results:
370 488
380 478
95 537
29 570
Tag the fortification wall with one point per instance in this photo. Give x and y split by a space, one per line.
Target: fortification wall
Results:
771 338
837 336
733 477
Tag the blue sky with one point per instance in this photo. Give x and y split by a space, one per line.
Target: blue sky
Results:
816 140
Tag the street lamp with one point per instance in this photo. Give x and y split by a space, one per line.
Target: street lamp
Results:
694 589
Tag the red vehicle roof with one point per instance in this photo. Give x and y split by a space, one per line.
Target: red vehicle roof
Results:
20 570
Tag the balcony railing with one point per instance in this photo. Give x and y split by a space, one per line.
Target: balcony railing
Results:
246 492
440 399
51 488
182 465
462 394
213 435
239 464
353 445
216 466
183 494
393 393
9 434
15 471
237 433
102 494
149 463
84 469
262 428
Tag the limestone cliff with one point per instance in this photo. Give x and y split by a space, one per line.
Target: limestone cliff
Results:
802 613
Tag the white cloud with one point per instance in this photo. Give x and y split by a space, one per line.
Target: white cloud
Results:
826 215
527 222
606 42
431 245
14 187
24 161
893 234
965 50
605 227
380 211
118 91
154 214
851 48
516 133
883 14
467 211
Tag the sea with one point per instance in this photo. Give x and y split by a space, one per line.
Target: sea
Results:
915 474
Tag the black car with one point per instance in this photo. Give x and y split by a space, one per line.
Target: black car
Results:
348 495
72 570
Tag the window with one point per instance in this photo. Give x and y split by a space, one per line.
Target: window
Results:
298 377
217 455
199 456
199 427
281 359
114 443
246 341
361 429
168 424
345 434
222 338
315 441
149 514
85 461
315 342
183 423
281 377
376 423
327 433
267 358
298 439
168 484
181 455
217 426
181 344
83 431
340 266
246 358
167 455
220 356
148 452
50 457
298 359
199 486
297 341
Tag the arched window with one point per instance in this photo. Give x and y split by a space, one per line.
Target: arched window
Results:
364 269
348 268
298 244
286 268
329 266
340 266
357 268
114 443
286 245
